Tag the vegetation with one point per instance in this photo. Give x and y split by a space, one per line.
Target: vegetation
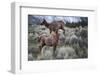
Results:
72 45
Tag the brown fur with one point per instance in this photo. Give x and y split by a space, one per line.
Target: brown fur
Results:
54 26
51 40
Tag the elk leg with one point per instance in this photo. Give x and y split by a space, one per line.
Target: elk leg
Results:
39 55
40 48
64 31
54 49
50 31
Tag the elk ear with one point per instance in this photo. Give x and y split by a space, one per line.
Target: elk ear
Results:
43 22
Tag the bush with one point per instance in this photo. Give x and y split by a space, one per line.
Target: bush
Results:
65 52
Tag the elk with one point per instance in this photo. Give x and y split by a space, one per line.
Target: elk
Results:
51 40
54 26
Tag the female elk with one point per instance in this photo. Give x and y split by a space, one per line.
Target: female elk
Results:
54 26
51 40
